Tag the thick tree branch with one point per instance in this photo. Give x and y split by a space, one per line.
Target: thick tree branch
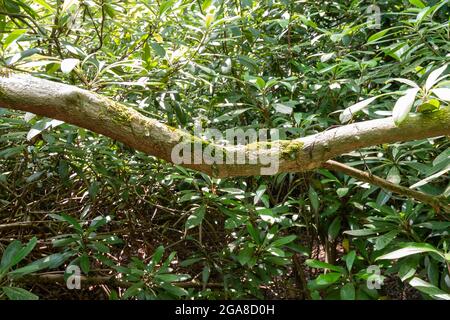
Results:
112 119
435 202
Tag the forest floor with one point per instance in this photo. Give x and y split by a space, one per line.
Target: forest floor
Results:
142 234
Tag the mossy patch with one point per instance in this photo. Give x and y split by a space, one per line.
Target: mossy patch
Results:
290 149
119 113
5 72
173 129
262 145
441 115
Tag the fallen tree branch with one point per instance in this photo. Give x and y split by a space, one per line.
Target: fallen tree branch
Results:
434 201
104 280
25 224
102 115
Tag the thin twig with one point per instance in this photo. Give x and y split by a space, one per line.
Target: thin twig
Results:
105 280
436 202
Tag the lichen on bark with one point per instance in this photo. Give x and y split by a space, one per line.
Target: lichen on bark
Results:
290 149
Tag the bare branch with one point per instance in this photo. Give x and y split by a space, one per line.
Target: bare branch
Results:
435 202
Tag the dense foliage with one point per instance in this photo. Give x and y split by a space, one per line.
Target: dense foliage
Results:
139 227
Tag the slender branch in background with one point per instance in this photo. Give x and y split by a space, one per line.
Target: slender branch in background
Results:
434 201
104 280
102 25
24 18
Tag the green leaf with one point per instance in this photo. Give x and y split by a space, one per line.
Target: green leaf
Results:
334 228
205 274
61 242
256 81
10 152
66 218
167 277
31 268
410 249
348 113
429 289
35 176
15 293
361 232
429 106
51 261
245 255
165 6
313 198
276 252
394 176
279 261
174 290
253 232
424 13
99 221
282 241
42 125
259 193
447 257
433 272
260 83
384 240
327 279
442 93
12 37
349 259
63 169
323 265
342 192
406 81
67 65
10 251
23 252
231 115
283 108
189 262
166 263
434 225
404 105
206 4
407 268
68 4
45 5
417 3
209 18
196 218
133 290
84 263
160 51
146 56
307 21
434 77
377 35
248 62
430 178
157 256
99 246
348 292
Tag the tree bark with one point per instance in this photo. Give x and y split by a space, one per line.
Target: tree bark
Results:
115 120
